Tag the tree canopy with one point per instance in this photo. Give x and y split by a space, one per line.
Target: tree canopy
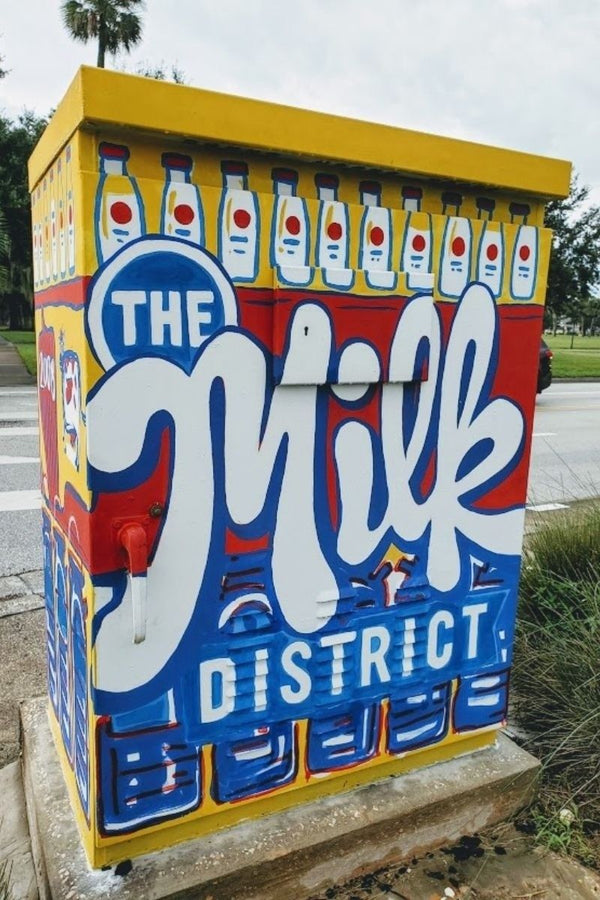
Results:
575 260
115 24
160 71
17 140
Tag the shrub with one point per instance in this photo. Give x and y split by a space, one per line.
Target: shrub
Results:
557 672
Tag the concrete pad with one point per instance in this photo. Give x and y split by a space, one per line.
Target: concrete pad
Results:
15 847
296 853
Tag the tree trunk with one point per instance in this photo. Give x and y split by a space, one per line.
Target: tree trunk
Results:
101 45
15 311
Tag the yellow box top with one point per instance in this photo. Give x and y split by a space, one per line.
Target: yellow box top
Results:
103 99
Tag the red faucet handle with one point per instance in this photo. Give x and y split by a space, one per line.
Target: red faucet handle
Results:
132 537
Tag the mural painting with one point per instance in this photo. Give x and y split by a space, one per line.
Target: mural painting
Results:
285 433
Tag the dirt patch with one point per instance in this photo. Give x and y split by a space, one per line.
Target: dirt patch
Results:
23 661
501 864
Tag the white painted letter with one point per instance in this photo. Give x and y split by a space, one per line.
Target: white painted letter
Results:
336 642
261 669
301 693
441 619
472 613
197 316
161 318
128 300
374 656
213 707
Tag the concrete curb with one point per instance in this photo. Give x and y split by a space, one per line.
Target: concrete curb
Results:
21 593
298 853
569 379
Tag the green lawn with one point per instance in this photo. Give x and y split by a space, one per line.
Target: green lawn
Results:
24 341
580 362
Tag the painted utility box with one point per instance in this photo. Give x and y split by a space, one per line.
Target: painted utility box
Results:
287 372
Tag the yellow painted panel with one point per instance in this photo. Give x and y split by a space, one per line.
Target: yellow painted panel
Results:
104 99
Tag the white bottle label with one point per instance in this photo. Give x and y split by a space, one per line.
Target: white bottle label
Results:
416 252
37 238
456 257
70 232
182 213
376 247
332 249
120 220
524 263
239 234
61 240
290 240
54 240
46 237
490 259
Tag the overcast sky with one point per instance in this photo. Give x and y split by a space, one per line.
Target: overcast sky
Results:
523 74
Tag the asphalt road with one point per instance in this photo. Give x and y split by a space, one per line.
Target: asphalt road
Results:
565 459
20 521
565 463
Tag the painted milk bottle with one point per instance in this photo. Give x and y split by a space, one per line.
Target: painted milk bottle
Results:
53 227
333 238
525 254
62 241
119 210
455 265
70 212
375 255
46 233
181 211
490 255
238 223
417 251
290 230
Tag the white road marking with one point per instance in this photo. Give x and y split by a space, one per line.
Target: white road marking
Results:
574 394
547 507
18 460
14 501
17 416
8 392
18 431
544 434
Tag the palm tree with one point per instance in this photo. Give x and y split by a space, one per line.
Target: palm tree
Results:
115 23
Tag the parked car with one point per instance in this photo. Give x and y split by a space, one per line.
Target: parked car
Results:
545 367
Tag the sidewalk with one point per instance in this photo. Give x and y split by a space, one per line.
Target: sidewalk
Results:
12 369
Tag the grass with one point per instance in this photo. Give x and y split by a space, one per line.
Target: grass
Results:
24 341
582 361
557 679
